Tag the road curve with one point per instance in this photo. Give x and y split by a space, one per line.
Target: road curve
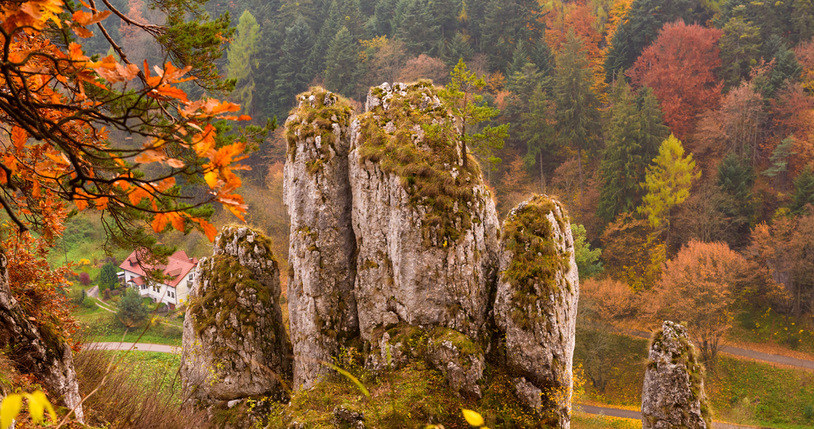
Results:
636 415
142 347
752 354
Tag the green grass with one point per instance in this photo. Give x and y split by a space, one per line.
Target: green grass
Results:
587 421
412 396
151 368
769 327
740 391
98 325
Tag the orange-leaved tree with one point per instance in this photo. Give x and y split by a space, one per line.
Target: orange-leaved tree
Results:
66 118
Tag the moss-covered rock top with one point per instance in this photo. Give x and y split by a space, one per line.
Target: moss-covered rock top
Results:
409 131
536 256
321 115
672 343
228 282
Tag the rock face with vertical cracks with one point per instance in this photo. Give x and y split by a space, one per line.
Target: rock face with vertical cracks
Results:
34 351
316 191
426 226
235 345
536 305
673 393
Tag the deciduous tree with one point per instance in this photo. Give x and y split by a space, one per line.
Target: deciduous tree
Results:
680 67
698 287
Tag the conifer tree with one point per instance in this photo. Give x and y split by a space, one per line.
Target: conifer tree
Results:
577 106
240 57
506 22
537 131
462 96
634 132
735 180
416 27
667 182
341 63
290 79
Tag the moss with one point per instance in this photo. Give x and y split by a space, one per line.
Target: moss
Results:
228 280
536 257
691 361
422 149
315 119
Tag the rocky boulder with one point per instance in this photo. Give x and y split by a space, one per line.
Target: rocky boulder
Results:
673 393
316 191
425 224
535 305
234 344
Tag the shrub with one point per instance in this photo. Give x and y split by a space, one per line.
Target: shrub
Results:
108 277
132 311
84 278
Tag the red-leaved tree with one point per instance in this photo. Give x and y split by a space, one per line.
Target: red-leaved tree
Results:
680 67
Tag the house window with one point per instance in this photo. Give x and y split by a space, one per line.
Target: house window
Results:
171 293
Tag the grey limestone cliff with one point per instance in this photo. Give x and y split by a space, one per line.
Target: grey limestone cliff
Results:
234 343
316 191
536 305
35 351
426 232
425 224
673 393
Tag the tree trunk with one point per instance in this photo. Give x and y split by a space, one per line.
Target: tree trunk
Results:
542 175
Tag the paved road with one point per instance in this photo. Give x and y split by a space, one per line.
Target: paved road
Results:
752 354
636 415
142 347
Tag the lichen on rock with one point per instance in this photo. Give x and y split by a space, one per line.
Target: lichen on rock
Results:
425 224
234 343
322 309
536 305
673 394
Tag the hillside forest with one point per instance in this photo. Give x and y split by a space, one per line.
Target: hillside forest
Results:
678 134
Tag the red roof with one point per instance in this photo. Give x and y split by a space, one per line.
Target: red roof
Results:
178 265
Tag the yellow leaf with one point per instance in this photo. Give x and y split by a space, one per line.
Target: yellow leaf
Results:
37 404
473 418
11 406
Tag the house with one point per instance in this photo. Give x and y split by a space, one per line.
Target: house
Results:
179 272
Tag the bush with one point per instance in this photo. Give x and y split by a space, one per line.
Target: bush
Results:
108 277
132 311
84 278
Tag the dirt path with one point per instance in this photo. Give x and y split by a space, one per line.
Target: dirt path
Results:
752 354
636 415
142 347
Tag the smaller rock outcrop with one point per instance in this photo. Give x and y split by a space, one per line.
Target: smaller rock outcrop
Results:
673 393
235 345
322 307
536 305
34 351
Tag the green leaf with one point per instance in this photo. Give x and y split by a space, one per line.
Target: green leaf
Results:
11 406
473 417
350 377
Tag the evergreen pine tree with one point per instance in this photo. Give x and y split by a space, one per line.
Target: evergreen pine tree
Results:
803 194
735 180
342 64
290 77
537 131
577 106
417 28
240 56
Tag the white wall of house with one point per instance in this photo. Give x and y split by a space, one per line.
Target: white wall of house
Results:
162 292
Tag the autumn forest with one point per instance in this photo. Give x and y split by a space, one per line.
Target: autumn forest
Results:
678 135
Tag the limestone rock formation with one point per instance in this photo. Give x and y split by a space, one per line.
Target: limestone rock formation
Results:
234 344
34 351
322 245
673 394
536 305
425 224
